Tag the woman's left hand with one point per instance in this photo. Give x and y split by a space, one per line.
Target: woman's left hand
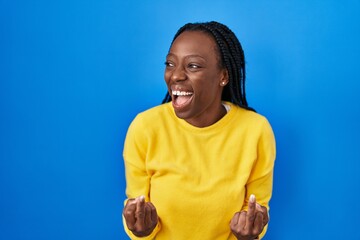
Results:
247 225
141 217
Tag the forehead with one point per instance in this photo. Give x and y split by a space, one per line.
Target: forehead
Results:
194 42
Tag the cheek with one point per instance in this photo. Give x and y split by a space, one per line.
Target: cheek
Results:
212 87
210 80
167 76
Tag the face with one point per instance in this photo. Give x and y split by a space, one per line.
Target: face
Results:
195 79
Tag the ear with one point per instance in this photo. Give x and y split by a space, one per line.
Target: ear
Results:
224 78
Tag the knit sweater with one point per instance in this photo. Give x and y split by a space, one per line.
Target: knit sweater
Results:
198 178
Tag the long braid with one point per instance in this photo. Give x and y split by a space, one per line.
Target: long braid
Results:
231 57
233 51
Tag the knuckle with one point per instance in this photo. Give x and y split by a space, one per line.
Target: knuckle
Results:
139 214
127 212
138 227
245 232
255 232
238 231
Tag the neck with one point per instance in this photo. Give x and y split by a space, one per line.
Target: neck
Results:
208 119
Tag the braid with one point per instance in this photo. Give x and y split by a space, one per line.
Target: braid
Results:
231 57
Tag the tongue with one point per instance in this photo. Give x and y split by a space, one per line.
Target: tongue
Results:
180 100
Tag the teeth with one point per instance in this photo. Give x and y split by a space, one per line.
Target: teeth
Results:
179 93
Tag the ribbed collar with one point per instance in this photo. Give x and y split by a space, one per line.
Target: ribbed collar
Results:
225 120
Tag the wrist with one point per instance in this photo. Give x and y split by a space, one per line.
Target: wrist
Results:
248 238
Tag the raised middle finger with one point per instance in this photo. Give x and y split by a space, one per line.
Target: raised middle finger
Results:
250 216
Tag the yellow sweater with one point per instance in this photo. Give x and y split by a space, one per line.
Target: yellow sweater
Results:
198 178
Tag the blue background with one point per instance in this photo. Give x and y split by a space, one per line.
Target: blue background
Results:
73 74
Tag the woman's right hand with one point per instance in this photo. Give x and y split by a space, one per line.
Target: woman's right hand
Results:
141 217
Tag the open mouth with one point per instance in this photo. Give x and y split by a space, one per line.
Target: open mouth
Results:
181 98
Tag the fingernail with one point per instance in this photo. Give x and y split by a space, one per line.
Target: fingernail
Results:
252 198
142 198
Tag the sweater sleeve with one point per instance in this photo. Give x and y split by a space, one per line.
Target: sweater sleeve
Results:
137 178
261 178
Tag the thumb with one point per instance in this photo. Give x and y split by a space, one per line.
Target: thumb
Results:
259 207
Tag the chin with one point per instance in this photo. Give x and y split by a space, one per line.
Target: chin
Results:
182 114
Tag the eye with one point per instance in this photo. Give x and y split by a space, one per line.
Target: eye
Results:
169 64
193 66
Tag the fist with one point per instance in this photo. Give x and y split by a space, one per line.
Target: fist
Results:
141 217
246 225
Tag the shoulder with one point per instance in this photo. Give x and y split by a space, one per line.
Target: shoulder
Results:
153 113
249 116
251 122
151 117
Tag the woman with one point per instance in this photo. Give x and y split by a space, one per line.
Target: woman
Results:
195 163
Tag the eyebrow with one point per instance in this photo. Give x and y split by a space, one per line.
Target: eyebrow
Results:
187 56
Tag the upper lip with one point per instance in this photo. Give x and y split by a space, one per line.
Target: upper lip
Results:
180 88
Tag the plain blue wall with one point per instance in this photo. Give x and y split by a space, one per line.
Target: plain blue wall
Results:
73 74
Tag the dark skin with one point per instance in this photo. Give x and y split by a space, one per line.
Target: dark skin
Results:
192 66
246 225
193 69
141 217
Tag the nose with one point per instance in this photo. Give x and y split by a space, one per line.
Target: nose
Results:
178 74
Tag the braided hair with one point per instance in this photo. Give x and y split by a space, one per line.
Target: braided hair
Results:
231 57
